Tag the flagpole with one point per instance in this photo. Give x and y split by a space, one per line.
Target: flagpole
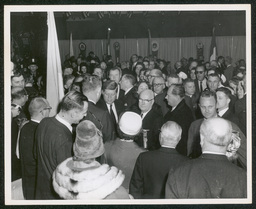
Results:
149 42
213 47
71 50
108 44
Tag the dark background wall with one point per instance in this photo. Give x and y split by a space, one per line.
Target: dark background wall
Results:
161 24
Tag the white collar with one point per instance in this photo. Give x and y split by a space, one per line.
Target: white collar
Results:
215 153
222 112
65 123
92 101
144 113
127 90
36 121
167 146
128 140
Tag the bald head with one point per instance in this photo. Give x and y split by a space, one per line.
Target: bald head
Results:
146 100
170 134
215 134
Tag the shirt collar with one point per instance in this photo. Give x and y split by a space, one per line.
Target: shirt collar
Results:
222 112
65 123
215 153
145 113
127 90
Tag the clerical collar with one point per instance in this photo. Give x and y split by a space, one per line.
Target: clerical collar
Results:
167 146
36 121
215 153
64 122
222 112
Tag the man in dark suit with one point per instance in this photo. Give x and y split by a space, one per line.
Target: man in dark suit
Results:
212 175
160 93
223 99
151 169
92 89
201 81
180 113
228 72
109 103
115 74
152 119
127 84
207 104
191 97
39 108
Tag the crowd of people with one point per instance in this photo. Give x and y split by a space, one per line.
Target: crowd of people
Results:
142 129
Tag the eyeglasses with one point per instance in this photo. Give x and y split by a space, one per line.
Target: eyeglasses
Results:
158 84
151 76
145 100
199 72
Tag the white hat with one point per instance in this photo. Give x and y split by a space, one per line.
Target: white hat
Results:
130 123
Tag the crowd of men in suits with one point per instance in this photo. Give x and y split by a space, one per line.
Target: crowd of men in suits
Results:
190 143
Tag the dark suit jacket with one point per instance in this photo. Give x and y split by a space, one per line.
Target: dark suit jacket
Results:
184 117
192 103
240 111
151 171
153 122
102 121
28 160
130 98
161 101
195 150
210 176
228 115
229 72
119 106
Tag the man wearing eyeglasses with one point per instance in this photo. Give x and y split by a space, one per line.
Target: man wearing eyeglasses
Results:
152 119
39 108
160 93
201 81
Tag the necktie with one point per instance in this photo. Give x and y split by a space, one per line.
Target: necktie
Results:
141 115
112 115
201 86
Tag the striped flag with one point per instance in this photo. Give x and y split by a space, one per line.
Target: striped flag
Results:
55 90
213 47
71 50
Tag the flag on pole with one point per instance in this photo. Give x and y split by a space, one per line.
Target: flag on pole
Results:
213 47
54 88
108 43
149 42
71 50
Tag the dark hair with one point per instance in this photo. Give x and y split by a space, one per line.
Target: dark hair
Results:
18 92
91 83
214 75
110 85
73 100
188 80
178 89
200 66
226 91
208 93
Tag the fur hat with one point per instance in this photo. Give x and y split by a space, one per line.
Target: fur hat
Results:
130 123
88 143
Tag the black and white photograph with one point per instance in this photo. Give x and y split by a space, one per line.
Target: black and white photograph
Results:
127 104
